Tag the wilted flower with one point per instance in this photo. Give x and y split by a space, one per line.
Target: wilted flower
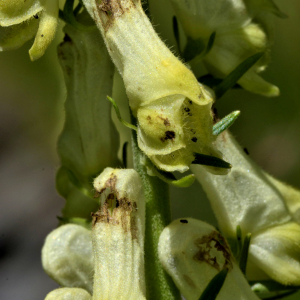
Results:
115 266
193 252
237 37
22 20
172 109
246 197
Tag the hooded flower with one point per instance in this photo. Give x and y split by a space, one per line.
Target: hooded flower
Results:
107 262
246 197
193 252
237 37
172 109
22 20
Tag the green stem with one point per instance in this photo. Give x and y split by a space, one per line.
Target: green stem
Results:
158 215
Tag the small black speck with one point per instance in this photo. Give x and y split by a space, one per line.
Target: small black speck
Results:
67 38
190 102
42 35
246 151
194 139
36 16
190 114
186 109
184 221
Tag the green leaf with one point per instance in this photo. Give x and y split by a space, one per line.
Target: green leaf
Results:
69 16
212 81
208 160
236 74
245 252
213 288
225 123
119 115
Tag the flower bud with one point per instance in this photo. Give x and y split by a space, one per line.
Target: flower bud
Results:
20 18
69 294
237 38
246 197
118 236
193 252
89 141
67 256
172 108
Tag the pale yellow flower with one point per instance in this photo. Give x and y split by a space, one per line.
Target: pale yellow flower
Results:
173 110
237 38
22 20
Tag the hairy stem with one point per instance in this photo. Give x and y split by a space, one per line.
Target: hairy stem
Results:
159 284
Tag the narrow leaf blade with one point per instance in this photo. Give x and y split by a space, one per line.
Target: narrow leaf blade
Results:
236 74
245 252
207 160
119 115
226 122
213 288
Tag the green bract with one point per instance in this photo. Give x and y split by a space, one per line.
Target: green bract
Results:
22 20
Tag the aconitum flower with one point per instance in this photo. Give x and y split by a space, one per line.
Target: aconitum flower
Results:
173 110
22 20
248 198
237 38
193 252
107 262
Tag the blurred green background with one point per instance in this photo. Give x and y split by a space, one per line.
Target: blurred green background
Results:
31 118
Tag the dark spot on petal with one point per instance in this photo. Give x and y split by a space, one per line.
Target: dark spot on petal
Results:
194 139
187 109
42 35
190 102
169 135
184 221
36 16
246 151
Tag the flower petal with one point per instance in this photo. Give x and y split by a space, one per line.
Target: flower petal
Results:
118 236
47 29
69 294
200 18
245 196
160 126
276 251
67 256
193 252
13 12
15 36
